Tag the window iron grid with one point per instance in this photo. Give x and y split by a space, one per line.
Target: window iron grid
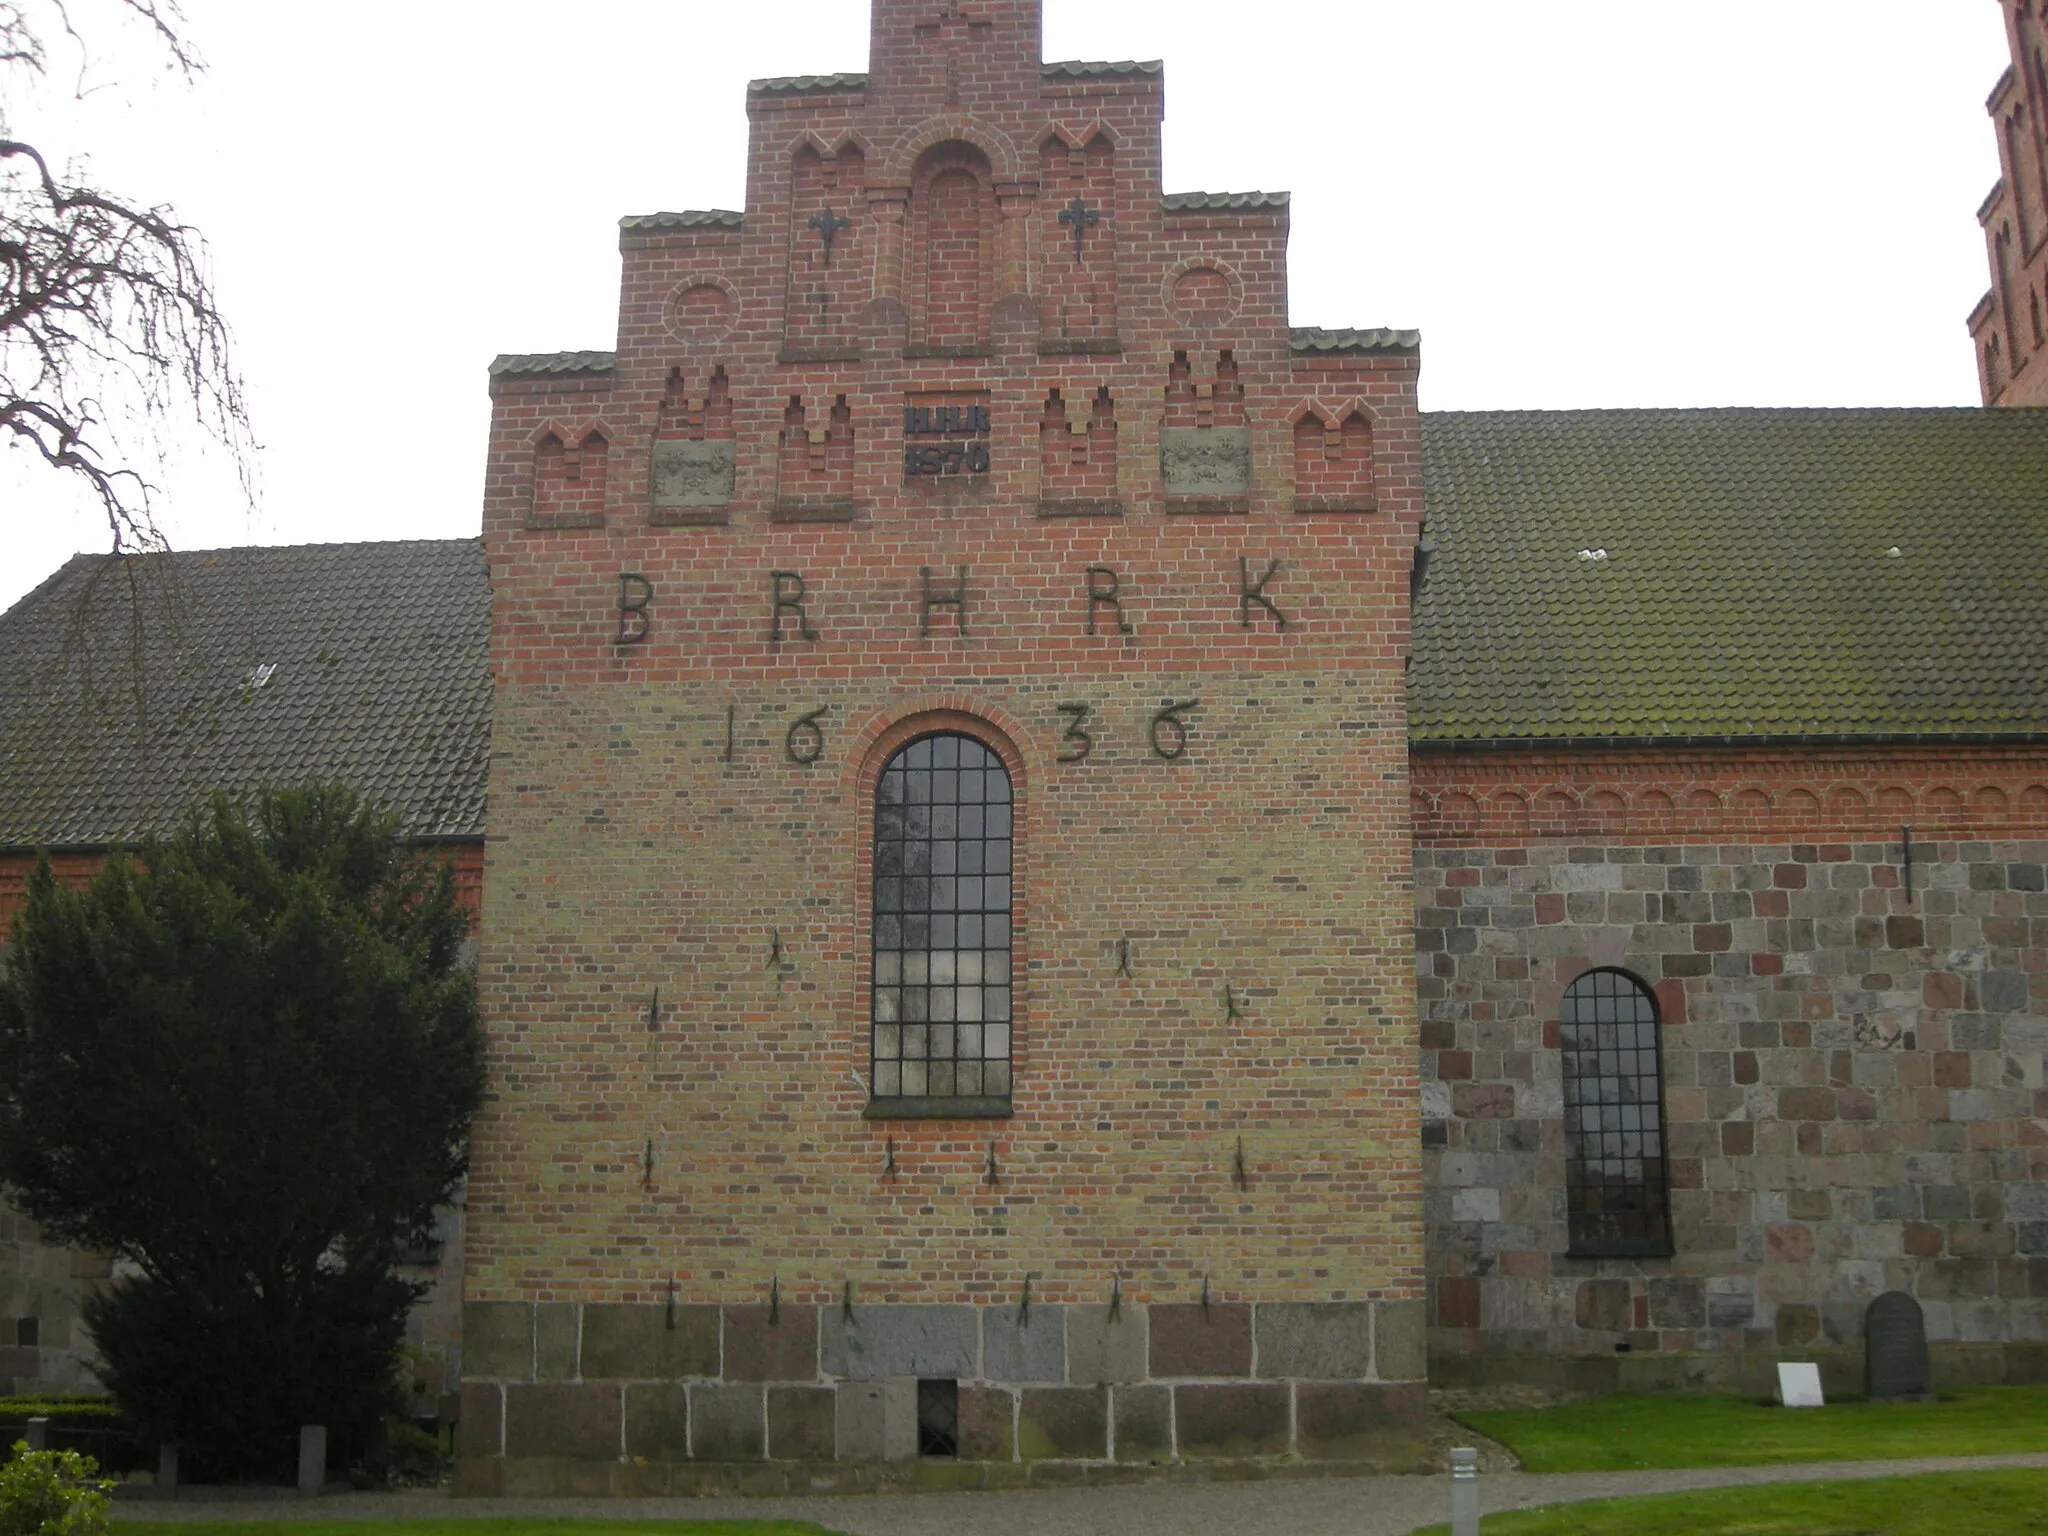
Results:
938 1418
941 984
1616 1180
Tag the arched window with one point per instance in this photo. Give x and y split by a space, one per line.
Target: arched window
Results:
1616 1194
941 982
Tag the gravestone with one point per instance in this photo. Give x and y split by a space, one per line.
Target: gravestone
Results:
1895 1363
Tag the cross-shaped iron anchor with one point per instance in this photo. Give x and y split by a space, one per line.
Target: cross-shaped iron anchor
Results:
829 224
1082 218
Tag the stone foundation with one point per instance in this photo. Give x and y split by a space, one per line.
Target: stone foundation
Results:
566 1398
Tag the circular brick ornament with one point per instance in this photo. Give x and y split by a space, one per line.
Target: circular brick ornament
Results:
701 310
1204 294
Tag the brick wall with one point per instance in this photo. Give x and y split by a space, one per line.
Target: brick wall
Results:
1215 1078
1853 1075
2010 325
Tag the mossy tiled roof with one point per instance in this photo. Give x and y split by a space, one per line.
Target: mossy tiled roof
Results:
132 688
1733 573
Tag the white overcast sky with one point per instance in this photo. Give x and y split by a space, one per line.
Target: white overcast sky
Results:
1579 202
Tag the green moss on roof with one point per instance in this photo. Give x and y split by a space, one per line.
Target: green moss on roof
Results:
135 686
1749 585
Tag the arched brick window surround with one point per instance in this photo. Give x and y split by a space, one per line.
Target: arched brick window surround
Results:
916 959
1617 1194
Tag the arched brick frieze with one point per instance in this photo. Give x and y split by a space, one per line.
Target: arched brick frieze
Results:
1749 797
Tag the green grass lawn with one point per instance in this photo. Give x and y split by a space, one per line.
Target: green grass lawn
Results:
1623 1433
476 1528
1960 1504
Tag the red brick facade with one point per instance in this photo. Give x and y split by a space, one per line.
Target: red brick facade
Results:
964 424
2007 324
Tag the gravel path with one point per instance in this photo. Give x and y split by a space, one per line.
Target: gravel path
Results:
1374 1506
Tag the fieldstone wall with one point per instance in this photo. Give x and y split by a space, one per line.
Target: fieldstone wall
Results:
563 1398
1854 1100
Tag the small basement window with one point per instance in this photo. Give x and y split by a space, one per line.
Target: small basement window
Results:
938 1418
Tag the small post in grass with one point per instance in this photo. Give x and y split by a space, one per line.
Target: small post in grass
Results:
167 1464
1464 1493
37 1434
312 1458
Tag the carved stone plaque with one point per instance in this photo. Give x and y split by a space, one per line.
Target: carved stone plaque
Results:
690 474
1895 1362
1206 461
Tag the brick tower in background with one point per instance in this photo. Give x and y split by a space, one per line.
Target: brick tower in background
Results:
1076 1123
2008 322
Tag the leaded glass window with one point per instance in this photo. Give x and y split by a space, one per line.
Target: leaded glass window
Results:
1617 1198
941 1009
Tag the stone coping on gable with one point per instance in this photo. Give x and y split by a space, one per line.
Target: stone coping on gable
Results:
523 365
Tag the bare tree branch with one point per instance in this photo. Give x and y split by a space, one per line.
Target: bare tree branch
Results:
108 320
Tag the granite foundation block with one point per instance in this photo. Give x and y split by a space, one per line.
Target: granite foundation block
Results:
646 1342
988 1424
728 1423
579 1422
881 1343
1031 1347
658 1421
876 1421
557 1335
1384 1425
1063 1424
1401 1340
1231 1422
1197 1341
483 1419
770 1344
1104 1349
1326 1341
497 1340
1143 1417
802 1424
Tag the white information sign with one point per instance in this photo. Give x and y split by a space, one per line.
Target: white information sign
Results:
1799 1386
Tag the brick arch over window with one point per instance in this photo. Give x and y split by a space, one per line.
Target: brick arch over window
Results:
953 247
942 921
1617 1195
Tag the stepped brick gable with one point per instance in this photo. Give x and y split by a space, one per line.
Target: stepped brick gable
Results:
964 433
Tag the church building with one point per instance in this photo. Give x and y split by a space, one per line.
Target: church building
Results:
1072 888
1070 880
